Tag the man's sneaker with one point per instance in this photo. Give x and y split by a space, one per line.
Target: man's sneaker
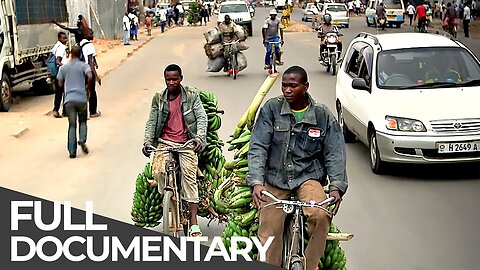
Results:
73 155
97 114
56 114
84 147
266 67
279 63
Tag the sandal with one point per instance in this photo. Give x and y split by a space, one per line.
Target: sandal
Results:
195 231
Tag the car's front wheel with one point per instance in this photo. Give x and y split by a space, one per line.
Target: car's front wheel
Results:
376 163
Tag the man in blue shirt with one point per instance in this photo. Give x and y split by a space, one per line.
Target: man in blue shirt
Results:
71 77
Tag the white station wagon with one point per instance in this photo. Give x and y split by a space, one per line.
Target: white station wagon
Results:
410 102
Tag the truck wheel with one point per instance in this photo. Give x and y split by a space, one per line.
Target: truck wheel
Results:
6 94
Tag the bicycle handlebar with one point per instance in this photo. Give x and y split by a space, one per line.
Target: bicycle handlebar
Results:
299 203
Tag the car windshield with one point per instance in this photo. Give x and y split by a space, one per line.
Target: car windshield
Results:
336 8
432 67
392 4
233 8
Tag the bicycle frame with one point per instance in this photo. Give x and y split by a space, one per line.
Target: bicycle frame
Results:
179 212
294 246
273 56
232 58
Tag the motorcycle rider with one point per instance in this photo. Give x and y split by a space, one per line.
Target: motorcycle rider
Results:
380 12
228 34
450 17
296 143
326 27
176 116
270 32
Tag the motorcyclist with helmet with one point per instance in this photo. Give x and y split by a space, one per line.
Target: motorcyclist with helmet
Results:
325 28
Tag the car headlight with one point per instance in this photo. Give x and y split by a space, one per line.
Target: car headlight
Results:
404 124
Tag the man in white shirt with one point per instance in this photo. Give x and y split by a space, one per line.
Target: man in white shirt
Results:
163 18
60 52
411 12
358 5
466 19
350 7
126 29
133 26
181 13
89 56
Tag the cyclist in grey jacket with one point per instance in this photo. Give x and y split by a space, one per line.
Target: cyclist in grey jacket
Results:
177 116
296 144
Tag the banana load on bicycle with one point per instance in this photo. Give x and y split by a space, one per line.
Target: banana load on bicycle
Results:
224 42
314 151
272 33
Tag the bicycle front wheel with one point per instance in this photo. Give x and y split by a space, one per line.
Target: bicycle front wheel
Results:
169 215
296 266
273 60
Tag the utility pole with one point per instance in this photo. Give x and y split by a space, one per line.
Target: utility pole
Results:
141 16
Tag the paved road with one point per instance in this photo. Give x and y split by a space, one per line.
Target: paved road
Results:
417 217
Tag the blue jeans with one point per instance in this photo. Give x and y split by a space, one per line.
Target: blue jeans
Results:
76 110
269 49
126 37
162 25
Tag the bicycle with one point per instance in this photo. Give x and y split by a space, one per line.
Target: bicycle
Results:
273 57
293 257
232 57
176 212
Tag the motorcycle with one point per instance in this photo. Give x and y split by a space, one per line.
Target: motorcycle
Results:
381 22
330 53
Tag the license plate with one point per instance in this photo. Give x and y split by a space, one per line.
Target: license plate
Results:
459 147
336 22
391 17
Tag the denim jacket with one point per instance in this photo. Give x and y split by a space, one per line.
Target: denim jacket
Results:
194 115
285 154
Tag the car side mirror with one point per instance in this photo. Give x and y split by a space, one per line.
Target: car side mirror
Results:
360 84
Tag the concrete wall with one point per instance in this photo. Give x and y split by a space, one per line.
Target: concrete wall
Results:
108 12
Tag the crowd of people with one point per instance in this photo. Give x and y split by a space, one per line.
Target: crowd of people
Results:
450 14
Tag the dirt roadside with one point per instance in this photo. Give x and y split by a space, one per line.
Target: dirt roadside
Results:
29 108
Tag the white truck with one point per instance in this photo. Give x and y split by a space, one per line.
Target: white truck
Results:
26 39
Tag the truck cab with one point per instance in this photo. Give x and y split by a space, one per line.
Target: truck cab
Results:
26 39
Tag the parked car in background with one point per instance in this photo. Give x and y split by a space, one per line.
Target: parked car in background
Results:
339 13
410 102
309 11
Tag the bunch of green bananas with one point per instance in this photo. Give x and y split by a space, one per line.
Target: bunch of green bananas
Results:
147 201
334 256
211 159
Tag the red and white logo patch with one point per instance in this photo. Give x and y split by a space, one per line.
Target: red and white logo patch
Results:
314 133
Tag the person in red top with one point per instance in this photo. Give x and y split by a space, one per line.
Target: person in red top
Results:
421 14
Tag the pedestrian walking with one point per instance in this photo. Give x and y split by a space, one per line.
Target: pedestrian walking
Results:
59 51
148 23
358 5
466 19
163 18
203 15
350 7
170 15
79 31
133 26
411 12
72 77
126 29
89 57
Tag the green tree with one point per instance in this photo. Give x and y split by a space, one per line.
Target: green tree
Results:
193 13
